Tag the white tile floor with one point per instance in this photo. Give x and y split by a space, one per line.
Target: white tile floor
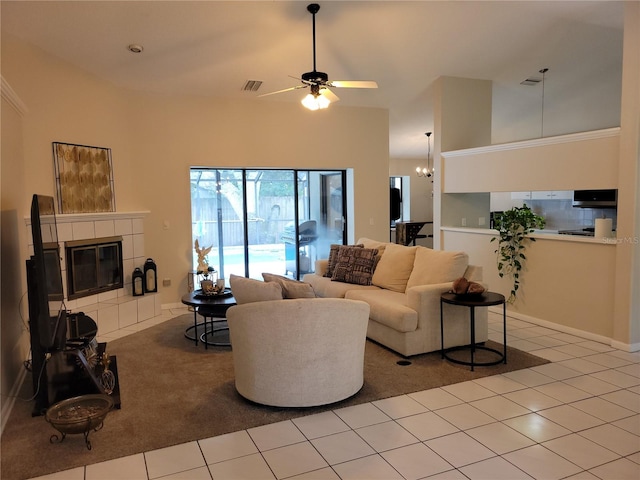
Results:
575 418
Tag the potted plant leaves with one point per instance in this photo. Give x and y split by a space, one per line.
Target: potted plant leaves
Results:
513 227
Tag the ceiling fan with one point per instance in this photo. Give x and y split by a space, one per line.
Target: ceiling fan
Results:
320 95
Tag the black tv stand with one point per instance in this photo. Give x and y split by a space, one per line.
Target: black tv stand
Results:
80 367
73 373
66 359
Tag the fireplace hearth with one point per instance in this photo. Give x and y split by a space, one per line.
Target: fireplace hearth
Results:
93 266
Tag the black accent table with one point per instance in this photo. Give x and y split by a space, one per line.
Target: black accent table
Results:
210 307
487 299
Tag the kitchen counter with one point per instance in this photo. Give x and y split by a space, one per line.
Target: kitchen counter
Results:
561 271
538 235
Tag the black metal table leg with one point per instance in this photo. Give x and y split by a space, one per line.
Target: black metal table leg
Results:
485 300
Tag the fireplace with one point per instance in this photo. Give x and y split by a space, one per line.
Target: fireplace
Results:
93 266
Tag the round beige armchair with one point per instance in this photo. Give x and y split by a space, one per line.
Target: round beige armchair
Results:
298 352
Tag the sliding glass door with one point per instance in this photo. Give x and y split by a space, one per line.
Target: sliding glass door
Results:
273 220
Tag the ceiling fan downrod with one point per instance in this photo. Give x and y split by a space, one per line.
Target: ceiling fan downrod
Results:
313 8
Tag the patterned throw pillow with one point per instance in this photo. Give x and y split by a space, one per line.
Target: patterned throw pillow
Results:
355 265
333 257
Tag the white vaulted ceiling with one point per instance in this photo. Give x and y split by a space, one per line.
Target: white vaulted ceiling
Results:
212 48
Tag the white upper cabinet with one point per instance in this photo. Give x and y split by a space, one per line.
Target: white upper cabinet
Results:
552 195
522 195
579 161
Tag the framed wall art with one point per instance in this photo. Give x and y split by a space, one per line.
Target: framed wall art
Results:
84 178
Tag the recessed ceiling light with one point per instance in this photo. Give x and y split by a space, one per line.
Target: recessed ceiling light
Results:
135 48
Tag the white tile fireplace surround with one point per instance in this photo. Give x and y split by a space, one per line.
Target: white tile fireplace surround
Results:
115 309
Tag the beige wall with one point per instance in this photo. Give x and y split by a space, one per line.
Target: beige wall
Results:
627 282
155 139
569 283
14 347
64 105
462 119
463 113
173 134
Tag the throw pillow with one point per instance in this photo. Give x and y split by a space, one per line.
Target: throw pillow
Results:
437 266
394 268
333 257
290 288
368 243
355 265
248 290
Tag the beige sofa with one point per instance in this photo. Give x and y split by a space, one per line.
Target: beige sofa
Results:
404 297
298 352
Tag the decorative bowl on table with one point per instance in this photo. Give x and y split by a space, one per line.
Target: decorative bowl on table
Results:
201 294
464 288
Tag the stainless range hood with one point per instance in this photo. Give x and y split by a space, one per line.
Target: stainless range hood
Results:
595 198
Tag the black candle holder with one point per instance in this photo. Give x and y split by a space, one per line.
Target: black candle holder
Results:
150 276
137 282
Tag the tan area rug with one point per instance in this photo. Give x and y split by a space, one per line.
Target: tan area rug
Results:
174 392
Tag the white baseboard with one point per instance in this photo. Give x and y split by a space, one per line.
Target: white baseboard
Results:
634 347
627 347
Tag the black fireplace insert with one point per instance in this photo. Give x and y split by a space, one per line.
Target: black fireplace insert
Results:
93 266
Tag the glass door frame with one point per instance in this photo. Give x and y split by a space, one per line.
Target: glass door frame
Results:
302 200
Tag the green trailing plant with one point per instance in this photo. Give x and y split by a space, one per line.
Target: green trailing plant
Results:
513 227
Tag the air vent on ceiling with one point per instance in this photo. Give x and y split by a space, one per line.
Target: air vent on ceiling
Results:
252 85
531 81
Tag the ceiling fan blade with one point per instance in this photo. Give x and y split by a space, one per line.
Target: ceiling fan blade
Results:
282 91
329 94
354 84
305 83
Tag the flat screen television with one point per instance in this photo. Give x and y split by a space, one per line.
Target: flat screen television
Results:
47 313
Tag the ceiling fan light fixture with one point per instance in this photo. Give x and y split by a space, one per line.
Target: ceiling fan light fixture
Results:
315 102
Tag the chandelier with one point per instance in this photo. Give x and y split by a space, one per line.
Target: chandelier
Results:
427 171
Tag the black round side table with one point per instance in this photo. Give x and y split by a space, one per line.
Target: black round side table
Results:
487 299
210 307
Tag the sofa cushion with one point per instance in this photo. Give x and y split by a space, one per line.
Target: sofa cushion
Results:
387 308
437 266
355 265
290 288
333 257
394 268
326 288
248 290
